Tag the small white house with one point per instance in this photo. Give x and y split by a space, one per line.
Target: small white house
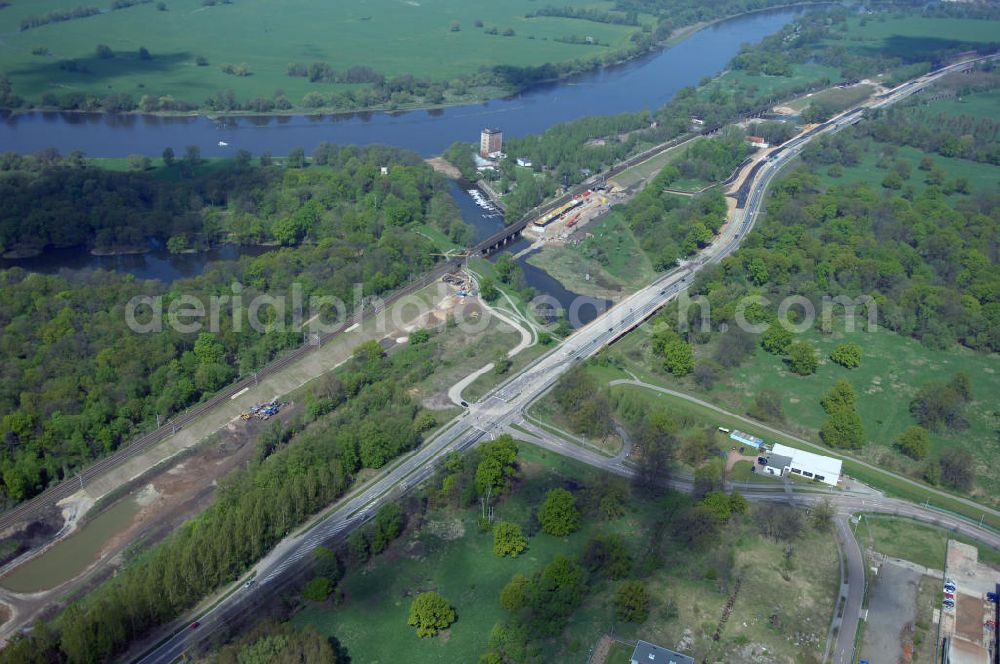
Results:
817 467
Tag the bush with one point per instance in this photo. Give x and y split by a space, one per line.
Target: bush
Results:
776 339
318 589
632 602
914 442
843 429
558 515
847 355
802 358
508 540
430 613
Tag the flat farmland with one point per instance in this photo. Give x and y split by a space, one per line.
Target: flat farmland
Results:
912 37
393 37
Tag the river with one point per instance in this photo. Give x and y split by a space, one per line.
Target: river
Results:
644 83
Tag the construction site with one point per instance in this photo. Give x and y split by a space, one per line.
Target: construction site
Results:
559 225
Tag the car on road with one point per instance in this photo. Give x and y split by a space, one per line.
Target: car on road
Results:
195 624
465 404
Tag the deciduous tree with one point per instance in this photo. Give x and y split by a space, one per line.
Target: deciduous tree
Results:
430 613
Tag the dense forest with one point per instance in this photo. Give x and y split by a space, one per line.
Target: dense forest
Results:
360 417
52 201
77 383
669 226
929 263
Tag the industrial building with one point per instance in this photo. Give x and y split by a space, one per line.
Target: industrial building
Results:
490 142
783 459
647 653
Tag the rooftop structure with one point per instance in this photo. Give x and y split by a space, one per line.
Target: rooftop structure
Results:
813 466
647 653
746 439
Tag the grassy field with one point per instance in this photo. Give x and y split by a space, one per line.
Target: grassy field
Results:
394 37
836 97
448 554
981 177
909 37
619 653
979 105
892 370
610 255
776 86
633 176
911 540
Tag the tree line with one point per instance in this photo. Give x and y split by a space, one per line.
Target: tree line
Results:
359 418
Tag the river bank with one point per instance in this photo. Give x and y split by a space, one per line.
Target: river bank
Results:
643 83
479 94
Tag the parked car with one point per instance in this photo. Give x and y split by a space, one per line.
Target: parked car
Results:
949 586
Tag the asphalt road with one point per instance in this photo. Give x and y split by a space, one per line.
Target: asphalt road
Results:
504 406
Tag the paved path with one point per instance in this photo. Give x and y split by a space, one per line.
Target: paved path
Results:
528 339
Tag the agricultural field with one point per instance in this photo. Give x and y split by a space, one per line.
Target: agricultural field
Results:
908 37
892 370
979 105
448 554
392 37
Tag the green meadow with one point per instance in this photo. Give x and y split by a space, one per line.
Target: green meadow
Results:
394 37
982 177
891 372
607 251
979 105
447 553
910 37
